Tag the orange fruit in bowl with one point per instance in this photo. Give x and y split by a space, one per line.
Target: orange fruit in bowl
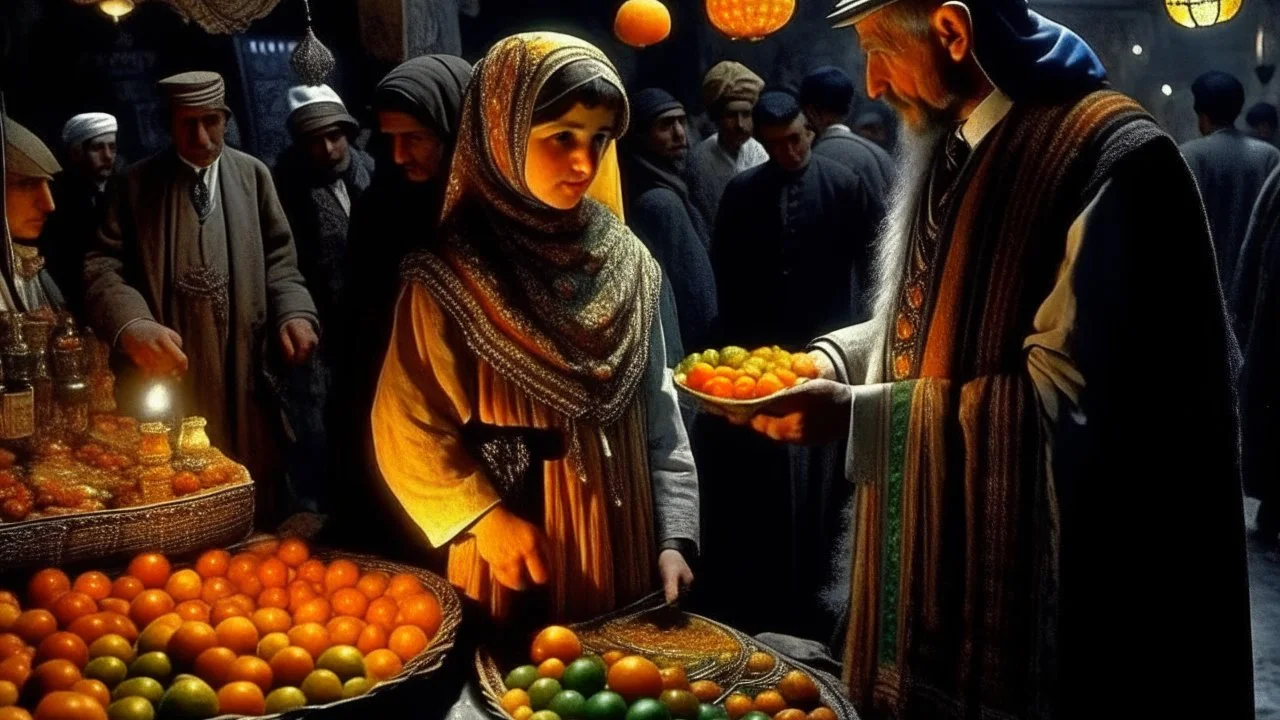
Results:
274 597
15 713
213 665
151 568
315 610
224 609
403 585
35 625
345 629
372 637
760 662
213 563
46 586
770 702
422 610
63 646
15 669
149 605
312 571
350 601
215 589
705 690
719 386
250 668
382 664
10 644
241 698
791 714
382 612
674 678
803 365
242 567
373 584
744 388
767 385
184 585
312 637
407 641
634 677
126 587
271 644
556 641
90 627
8 615
551 668
269 620
786 377
53 675
245 602
265 548
291 666
194 610
67 705
799 690
293 552
8 598
823 713
341 574
8 694
121 625
612 657
94 584
72 605
513 699
737 705
95 689
273 573
698 375
114 605
189 640
238 634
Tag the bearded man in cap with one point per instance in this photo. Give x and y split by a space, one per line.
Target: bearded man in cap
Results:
194 272
1047 494
29 169
729 92
319 177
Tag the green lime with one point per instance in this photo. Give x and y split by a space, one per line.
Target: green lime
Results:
682 704
597 661
356 686
568 704
131 708
285 698
733 356
711 357
114 646
648 709
143 687
707 711
754 715
544 715
521 678
322 686
585 676
153 665
344 660
188 699
541 692
683 367
605 705
109 669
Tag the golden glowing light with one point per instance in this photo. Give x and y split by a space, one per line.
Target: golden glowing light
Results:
116 8
1201 13
157 400
641 23
749 19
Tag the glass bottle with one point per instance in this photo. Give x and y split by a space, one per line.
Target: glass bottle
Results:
102 382
36 331
71 388
17 398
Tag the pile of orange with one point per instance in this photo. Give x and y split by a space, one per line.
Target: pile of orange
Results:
735 373
265 630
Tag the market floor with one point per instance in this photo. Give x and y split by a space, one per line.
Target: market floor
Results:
1264 595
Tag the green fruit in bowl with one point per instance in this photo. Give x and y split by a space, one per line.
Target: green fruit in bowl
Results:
131 708
733 356
107 669
153 665
584 675
605 705
285 698
544 715
682 704
568 704
711 357
189 699
541 692
143 687
521 678
707 711
648 709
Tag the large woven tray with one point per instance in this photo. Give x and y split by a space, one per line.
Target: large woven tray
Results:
425 663
208 519
651 628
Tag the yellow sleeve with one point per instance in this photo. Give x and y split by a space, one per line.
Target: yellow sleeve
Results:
420 404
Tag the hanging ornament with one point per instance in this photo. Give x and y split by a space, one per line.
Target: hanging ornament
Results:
116 8
640 23
311 60
751 19
1201 13
1265 73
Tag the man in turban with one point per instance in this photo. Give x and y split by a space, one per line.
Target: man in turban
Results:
28 202
729 92
79 191
826 94
1047 491
194 273
319 177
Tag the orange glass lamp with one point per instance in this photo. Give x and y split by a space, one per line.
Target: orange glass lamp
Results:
641 23
116 8
750 19
1201 13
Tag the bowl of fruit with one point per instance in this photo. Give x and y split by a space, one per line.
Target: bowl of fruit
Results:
653 662
259 629
735 382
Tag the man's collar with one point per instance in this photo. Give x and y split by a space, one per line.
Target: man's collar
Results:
196 167
985 117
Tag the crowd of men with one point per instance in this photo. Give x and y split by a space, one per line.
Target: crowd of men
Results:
269 292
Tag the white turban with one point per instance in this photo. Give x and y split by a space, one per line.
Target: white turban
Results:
87 126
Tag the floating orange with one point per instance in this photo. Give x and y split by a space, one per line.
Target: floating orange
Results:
640 23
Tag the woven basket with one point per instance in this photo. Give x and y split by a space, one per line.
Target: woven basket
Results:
208 519
727 668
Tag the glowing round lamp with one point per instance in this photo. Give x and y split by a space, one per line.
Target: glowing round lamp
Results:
116 8
1201 13
640 23
749 19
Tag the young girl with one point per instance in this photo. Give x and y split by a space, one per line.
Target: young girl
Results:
537 313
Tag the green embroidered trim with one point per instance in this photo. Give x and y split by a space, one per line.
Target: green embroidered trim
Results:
891 521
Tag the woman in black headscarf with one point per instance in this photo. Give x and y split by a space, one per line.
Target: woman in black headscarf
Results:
418 106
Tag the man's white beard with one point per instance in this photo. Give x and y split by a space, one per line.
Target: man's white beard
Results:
916 149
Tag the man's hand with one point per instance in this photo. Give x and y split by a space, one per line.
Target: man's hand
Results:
814 413
826 370
675 574
514 549
297 340
154 348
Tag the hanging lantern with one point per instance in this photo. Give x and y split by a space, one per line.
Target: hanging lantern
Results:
640 23
1201 13
311 60
751 19
116 8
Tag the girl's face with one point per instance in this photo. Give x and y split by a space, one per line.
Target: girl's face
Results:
564 155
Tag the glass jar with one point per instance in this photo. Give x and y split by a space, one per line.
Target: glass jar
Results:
154 447
193 437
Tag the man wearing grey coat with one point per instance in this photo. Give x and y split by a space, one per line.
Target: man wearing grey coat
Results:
194 274
1230 167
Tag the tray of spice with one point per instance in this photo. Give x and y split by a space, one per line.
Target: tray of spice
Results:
651 661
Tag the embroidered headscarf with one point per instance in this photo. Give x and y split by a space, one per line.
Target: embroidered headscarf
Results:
561 302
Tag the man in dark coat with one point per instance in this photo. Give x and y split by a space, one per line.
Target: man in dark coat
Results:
1028 448
1229 166
661 213
319 177
89 141
28 206
1264 122
194 273
826 95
